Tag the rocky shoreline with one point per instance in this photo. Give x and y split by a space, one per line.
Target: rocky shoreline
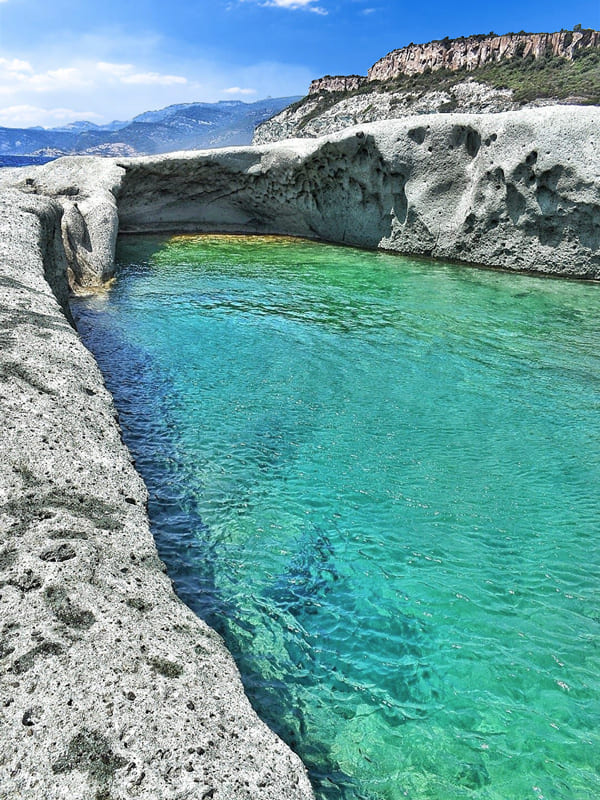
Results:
110 687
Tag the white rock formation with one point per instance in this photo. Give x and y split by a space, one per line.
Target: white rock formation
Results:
518 190
313 119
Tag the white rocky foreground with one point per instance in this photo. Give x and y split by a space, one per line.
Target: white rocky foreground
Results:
109 686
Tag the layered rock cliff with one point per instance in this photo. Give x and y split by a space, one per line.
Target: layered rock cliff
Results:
336 83
472 52
467 52
110 686
475 74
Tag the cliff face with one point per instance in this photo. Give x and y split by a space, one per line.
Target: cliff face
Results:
470 52
475 51
336 83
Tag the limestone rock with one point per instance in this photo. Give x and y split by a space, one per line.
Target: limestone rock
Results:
519 190
471 52
336 83
86 188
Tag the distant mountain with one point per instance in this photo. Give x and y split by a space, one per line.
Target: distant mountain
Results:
186 126
85 125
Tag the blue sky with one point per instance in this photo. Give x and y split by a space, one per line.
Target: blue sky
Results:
62 60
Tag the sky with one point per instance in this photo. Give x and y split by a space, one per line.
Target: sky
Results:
66 60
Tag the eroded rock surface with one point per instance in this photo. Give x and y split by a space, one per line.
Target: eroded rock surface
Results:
109 686
519 190
86 188
310 120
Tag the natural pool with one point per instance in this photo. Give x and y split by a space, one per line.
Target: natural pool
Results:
378 479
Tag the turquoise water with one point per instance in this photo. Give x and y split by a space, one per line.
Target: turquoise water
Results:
378 479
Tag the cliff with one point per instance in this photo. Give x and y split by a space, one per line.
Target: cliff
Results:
468 52
111 687
475 74
472 52
336 83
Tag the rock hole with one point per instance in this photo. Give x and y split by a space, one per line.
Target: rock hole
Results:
473 142
417 135
531 158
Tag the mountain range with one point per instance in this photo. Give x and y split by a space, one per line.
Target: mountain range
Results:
186 126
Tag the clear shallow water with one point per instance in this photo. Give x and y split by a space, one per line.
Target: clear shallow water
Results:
378 479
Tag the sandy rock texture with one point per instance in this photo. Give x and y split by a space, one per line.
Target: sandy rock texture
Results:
110 688
85 188
519 190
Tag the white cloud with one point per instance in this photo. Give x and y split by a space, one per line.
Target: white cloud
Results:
25 116
15 65
117 70
153 79
62 78
18 76
237 90
126 74
294 5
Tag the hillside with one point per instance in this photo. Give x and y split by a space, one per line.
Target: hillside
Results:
189 126
475 74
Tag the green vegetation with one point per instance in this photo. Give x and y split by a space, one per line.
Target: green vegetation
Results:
529 79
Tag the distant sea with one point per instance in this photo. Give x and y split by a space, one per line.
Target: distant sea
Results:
24 161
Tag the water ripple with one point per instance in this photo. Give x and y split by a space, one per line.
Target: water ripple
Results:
376 478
